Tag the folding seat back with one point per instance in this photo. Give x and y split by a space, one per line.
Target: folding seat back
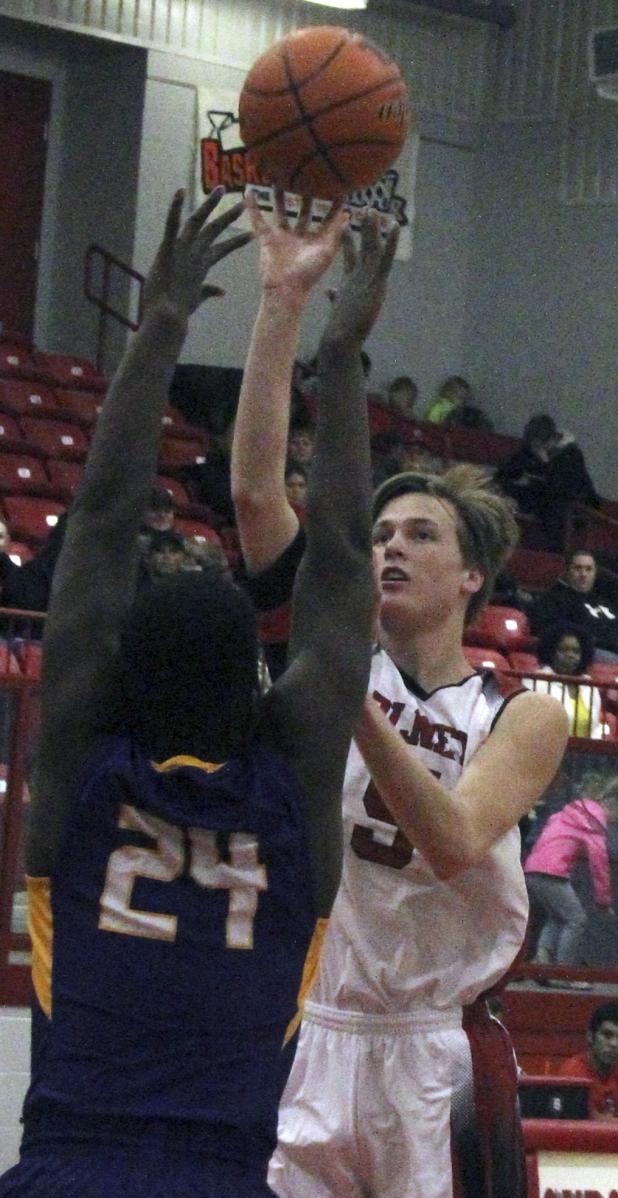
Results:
55 438
15 361
64 477
503 628
31 519
19 473
175 452
81 407
26 397
485 659
65 370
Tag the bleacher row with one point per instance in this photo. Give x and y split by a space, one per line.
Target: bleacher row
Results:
49 404
500 639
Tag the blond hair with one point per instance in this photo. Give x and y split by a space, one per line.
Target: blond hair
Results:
486 527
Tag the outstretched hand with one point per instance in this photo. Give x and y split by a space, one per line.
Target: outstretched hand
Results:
176 283
293 259
357 302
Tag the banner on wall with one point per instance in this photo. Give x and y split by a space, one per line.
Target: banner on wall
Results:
567 1174
222 158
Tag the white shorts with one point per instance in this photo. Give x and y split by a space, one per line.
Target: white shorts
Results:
368 1109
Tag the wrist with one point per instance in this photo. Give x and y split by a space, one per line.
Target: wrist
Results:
284 297
167 322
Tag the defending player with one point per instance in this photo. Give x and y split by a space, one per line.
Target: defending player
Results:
402 1086
186 858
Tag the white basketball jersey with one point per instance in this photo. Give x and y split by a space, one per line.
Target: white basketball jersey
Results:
399 939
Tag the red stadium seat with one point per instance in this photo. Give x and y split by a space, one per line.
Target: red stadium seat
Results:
55 438
197 529
528 663
485 659
535 568
22 397
22 473
176 490
29 656
435 438
8 662
380 418
15 360
605 673
501 627
83 407
18 552
62 370
64 477
175 452
31 519
10 434
175 426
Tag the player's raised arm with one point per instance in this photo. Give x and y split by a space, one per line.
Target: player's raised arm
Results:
292 260
314 705
454 829
94 581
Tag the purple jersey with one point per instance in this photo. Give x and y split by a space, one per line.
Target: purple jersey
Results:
182 913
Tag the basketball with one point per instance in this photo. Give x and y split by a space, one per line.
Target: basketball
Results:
323 113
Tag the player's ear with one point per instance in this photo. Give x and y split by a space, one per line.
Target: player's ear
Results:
473 580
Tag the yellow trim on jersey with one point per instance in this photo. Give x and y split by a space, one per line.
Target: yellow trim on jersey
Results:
175 763
40 926
310 969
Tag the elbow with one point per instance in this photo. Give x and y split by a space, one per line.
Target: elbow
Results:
249 502
447 866
461 854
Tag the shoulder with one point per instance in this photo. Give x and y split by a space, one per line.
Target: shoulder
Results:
529 718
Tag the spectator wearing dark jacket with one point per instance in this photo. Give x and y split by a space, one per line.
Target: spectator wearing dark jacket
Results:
575 599
545 476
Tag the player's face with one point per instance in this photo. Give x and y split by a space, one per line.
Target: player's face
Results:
605 1044
419 568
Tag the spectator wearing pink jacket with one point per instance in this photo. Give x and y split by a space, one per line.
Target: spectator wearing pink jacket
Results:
578 830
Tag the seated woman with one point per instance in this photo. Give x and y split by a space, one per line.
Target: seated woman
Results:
568 649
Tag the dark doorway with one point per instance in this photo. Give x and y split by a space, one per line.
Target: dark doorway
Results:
24 116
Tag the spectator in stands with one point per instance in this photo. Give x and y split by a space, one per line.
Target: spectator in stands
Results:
209 481
578 830
160 512
599 1063
454 393
523 476
300 442
165 554
402 396
568 649
207 556
28 586
546 475
296 484
576 599
389 455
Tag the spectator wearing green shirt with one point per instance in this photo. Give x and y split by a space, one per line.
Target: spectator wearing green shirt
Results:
454 393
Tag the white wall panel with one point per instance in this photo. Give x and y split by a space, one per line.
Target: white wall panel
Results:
447 62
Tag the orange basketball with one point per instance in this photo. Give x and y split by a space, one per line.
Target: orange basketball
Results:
323 112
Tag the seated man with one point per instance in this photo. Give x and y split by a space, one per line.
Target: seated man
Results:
599 1063
185 841
575 599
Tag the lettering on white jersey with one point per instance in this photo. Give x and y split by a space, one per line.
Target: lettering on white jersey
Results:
437 738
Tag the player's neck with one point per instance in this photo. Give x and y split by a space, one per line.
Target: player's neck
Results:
433 657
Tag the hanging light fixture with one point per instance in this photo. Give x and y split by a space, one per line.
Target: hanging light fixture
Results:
349 4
